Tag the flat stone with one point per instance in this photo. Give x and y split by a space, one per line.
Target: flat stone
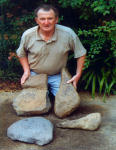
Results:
67 98
90 122
33 99
36 130
37 81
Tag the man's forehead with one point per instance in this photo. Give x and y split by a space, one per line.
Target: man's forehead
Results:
46 12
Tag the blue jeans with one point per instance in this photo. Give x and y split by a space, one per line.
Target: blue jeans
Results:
53 82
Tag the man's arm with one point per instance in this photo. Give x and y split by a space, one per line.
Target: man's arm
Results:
80 65
25 65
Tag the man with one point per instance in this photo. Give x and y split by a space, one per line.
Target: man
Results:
44 48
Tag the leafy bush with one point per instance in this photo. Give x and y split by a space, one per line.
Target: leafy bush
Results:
14 19
100 65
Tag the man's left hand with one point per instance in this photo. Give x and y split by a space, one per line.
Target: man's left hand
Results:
74 80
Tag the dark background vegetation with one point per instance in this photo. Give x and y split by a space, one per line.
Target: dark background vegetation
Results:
92 20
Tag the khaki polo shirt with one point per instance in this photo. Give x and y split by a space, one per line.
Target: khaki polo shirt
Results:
51 56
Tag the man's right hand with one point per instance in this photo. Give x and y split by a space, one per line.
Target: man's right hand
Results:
25 76
25 64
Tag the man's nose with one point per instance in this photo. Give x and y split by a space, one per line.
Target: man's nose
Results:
46 21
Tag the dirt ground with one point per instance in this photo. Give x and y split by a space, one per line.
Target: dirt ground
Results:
104 138
6 86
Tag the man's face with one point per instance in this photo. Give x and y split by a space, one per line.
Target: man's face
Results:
46 20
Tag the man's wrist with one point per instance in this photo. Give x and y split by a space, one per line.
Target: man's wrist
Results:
78 74
27 72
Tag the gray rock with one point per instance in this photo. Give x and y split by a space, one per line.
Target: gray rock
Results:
33 99
36 130
90 122
67 98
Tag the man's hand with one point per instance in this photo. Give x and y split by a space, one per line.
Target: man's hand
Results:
80 63
26 68
25 76
74 80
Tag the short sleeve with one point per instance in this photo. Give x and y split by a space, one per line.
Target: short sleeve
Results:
21 51
76 45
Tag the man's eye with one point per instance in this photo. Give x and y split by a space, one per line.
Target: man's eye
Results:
50 18
42 19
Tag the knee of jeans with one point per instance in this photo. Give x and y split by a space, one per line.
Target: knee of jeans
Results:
57 85
54 91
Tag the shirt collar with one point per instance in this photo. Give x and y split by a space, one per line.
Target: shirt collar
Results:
53 38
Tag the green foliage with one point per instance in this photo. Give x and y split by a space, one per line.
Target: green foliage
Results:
100 65
12 25
2 2
91 8
103 7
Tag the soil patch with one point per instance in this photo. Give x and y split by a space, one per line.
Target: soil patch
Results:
9 86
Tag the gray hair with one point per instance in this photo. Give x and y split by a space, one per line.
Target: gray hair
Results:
47 7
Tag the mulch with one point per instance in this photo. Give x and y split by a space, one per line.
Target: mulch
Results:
9 86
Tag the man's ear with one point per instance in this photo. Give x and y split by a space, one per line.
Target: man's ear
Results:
57 20
36 20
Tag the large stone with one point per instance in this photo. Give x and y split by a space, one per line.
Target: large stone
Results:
33 99
90 122
37 81
36 130
67 98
